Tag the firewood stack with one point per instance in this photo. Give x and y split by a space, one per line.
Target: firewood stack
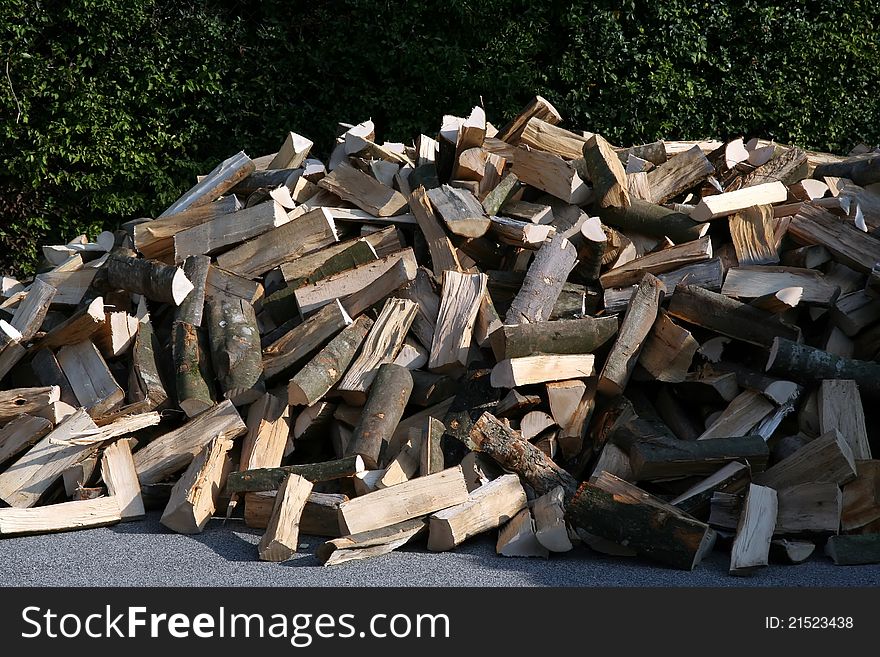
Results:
658 350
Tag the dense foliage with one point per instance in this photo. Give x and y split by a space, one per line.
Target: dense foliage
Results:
111 106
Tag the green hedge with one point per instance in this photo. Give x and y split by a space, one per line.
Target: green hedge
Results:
112 106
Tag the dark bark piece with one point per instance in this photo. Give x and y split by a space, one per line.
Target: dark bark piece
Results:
156 281
620 512
731 478
235 348
854 550
192 307
861 169
386 402
846 243
658 262
500 194
321 373
640 317
787 168
145 383
192 369
806 365
498 441
543 283
729 317
263 479
678 174
565 336
49 373
653 220
660 459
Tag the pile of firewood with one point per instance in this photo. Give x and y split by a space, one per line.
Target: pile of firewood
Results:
648 351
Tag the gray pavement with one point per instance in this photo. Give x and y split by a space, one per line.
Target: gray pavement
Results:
145 554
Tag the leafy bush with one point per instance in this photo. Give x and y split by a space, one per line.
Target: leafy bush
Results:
112 106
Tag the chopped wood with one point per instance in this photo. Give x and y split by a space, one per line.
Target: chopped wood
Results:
293 152
543 282
459 304
840 407
32 310
220 180
267 479
854 550
411 499
488 507
223 231
20 433
678 174
371 543
545 136
727 203
67 516
668 350
621 512
280 541
156 281
194 496
550 529
638 321
526 370
538 107
518 538
90 378
119 473
751 547
367 193
846 243
861 497
658 263
550 173
826 458
740 417
805 364
606 173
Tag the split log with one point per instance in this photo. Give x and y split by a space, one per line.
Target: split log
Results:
460 210
371 543
194 497
267 479
305 234
752 231
804 364
757 281
840 407
224 282
678 174
384 407
620 512
500 195
90 378
156 281
640 317
846 243
459 304
338 257
809 508
442 254
70 286
861 497
31 476
304 340
229 229
81 325
268 429
708 274
381 346
653 220
826 458
19 434
293 152
519 538
488 507
321 373
658 262
740 417
551 174
498 441
411 499
145 382
155 239
538 107
854 312
223 178
543 283
367 193
536 213
549 514
320 517
731 478
32 310
16 401
727 203
751 547
235 348
431 454
550 138
571 403
606 173
281 539
353 286
729 317
176 449
67 516
513 372
118 472
668 350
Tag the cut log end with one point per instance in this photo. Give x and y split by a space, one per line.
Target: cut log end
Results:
180 287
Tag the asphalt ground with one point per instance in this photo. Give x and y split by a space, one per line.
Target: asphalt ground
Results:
143 553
